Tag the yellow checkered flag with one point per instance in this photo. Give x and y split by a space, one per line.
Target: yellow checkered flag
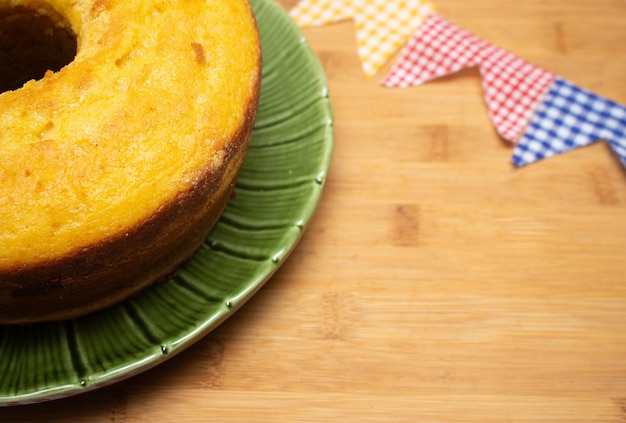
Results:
382 26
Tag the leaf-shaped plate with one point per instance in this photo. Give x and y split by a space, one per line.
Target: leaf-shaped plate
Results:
277 192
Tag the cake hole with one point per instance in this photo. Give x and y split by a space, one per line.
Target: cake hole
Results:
33 42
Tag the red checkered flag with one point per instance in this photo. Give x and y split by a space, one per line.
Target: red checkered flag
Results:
513 88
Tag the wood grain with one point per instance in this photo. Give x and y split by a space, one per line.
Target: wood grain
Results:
436 283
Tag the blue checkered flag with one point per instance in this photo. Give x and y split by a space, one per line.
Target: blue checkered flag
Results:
570 117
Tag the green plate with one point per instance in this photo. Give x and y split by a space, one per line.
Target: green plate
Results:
276 194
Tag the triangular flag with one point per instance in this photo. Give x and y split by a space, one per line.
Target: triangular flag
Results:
568 118
322 12
437 48
512 86
382 26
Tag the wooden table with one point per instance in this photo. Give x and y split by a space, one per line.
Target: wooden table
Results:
436 283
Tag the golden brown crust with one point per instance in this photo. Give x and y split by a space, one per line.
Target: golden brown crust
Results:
125 263
89 276
104 274
141 234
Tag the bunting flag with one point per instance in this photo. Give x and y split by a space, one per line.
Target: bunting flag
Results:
382 26
512 87
543 114
571 117
540 112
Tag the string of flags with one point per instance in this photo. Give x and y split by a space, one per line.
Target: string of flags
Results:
540 113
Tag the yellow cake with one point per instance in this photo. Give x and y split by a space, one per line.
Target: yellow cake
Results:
114 167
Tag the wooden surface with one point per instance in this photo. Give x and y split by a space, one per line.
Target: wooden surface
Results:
436 283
